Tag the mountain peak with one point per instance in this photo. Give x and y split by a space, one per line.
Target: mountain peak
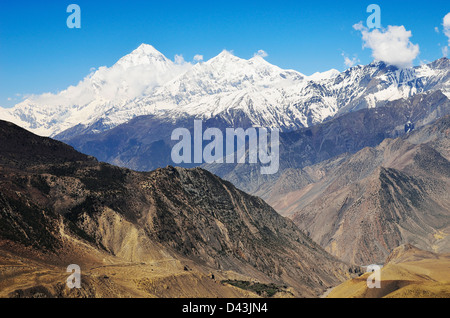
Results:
442 63
377 64
143 55
147 49
318 76
224 57
258 59
226 54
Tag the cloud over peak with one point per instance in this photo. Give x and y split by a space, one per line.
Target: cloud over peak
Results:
198 58
350 62
391 45
261 53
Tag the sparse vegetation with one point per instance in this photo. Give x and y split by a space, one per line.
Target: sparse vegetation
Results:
264 290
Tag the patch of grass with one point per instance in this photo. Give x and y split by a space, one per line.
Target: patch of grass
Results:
264 290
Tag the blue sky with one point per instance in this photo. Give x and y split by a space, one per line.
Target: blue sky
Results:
38 53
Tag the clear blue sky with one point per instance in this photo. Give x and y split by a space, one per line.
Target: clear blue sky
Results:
38 53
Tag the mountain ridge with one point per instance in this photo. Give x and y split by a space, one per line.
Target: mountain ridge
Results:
147 83
376 199
167 224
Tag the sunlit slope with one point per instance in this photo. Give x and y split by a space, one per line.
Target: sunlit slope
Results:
409 273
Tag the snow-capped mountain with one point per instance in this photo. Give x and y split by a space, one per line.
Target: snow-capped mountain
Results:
145 82
134 75
221 85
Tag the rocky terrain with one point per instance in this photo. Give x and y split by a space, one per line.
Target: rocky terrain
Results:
360 207
171 232
346 134
144 142
349 190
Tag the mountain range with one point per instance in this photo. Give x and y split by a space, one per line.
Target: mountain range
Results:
361 206
240 92
170 227
345 134
87 178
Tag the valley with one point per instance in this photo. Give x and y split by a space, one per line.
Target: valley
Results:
61 207
87 177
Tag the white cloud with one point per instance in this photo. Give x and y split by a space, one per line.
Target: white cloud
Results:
446 24
261 53
179 59
350 62
198 58
391 45
117 83
9 99
436 29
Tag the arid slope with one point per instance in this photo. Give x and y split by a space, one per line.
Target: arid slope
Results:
360 207
409 273
133 232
